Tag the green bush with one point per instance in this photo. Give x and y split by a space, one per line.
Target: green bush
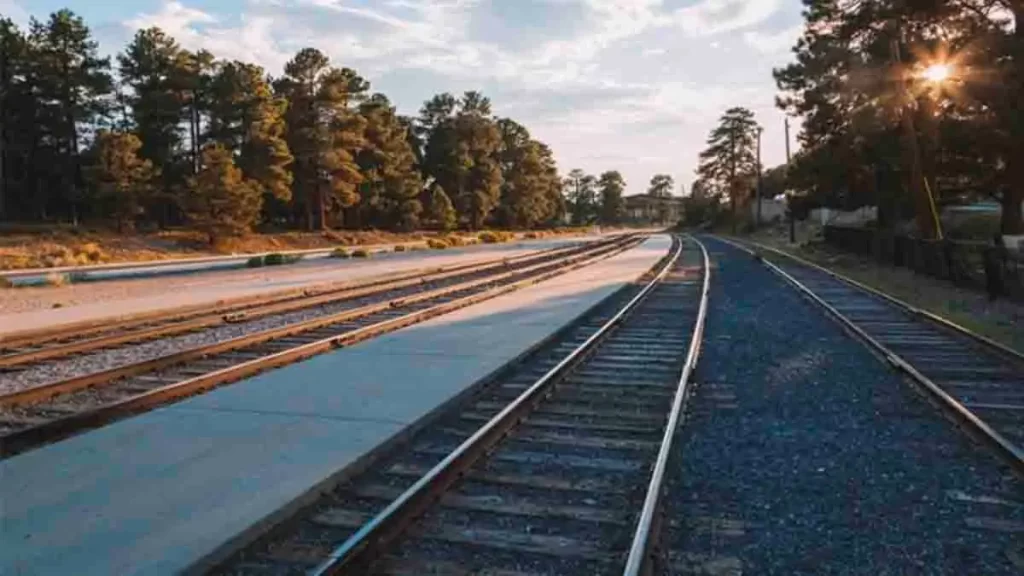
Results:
6 282
340 253
255 262
437 244
361 253
274 259
400 248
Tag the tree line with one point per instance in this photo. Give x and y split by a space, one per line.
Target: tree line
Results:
163 136
909 103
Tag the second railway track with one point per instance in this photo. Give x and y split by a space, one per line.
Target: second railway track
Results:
978 384
555 466
41 414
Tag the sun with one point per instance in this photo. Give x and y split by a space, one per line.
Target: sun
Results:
937 73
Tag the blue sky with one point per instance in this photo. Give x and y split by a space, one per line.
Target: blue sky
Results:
633 85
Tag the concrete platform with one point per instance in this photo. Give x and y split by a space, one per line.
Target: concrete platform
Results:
155 493
31 308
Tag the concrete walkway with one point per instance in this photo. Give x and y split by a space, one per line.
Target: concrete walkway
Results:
155 493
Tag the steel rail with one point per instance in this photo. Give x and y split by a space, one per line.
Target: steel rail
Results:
945 323
24 439
1004 449
364 543
64 386
190 318
644 538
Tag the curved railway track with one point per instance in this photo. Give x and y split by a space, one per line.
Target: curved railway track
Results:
31 348
554 466
978 384
38 415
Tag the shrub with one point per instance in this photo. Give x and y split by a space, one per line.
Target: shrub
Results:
454 241
400 248
531 235
340 253
275 259
57 305
361 253
494 236
437 243
91 252
6 282
255 262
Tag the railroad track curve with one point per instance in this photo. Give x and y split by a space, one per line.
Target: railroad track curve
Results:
38 415
554 466
976 383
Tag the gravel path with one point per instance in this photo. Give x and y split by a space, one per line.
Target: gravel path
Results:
803 454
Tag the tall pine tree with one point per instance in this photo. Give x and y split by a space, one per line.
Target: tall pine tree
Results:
389 194
70 83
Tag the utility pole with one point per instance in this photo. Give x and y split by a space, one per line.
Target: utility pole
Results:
789 197
928 223
757 221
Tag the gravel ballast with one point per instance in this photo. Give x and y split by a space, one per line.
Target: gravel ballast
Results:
801 453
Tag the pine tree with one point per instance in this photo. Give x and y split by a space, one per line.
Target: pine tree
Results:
729 163
119 178
18 129
610 187
391 187
221 201
580 188
440 211
461 153
324 133
248 119
525 177
193 79
70 83
661 186
149 70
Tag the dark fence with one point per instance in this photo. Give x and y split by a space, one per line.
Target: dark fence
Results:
978 265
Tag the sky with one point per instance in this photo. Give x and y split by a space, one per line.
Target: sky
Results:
628 85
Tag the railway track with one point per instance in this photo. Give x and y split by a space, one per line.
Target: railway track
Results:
42 414
977 383
554 466
21 351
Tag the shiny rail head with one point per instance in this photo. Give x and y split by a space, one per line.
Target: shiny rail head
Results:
370 533
643 537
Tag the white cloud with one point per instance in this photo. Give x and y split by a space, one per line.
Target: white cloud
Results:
17 14
653 52
710 17
773 42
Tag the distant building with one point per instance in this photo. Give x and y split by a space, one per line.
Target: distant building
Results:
647 209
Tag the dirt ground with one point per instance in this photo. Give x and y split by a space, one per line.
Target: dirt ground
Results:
42 249
1000 320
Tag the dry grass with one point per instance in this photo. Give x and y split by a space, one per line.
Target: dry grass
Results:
1000 320
47 248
